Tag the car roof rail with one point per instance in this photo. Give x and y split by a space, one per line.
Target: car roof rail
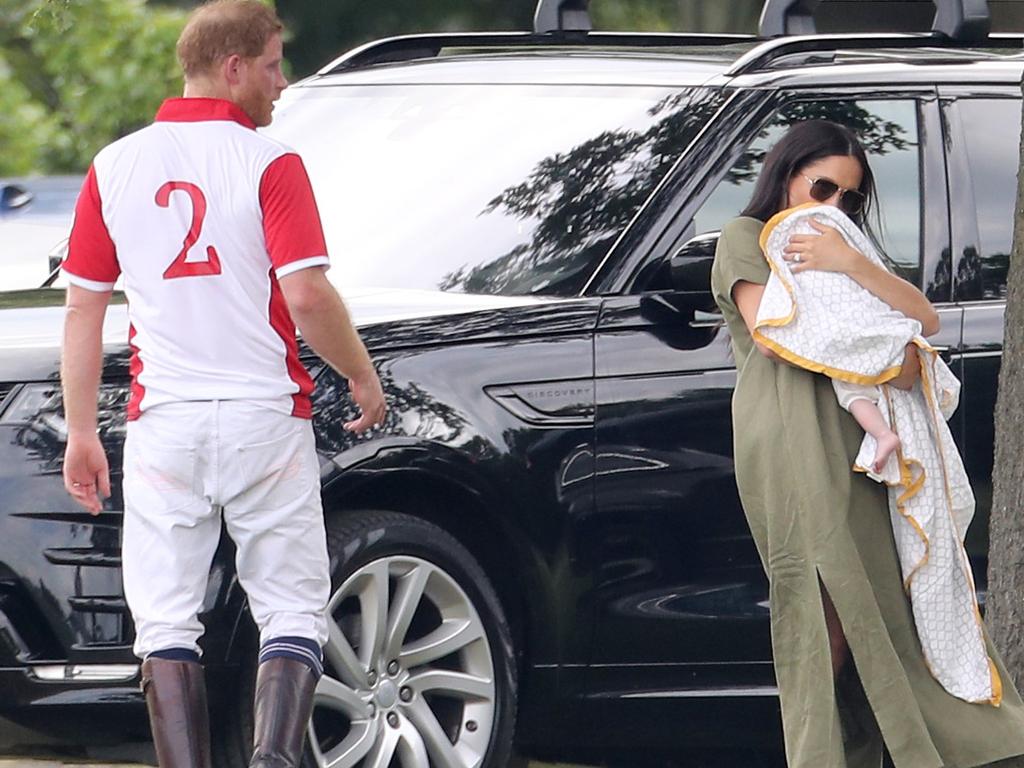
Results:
562 16
761 57
956 19
427 46
555 23
786 26
787 17
967 20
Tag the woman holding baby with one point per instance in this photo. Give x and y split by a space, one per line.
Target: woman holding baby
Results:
852 677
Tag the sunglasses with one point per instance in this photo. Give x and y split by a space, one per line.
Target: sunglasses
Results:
851 201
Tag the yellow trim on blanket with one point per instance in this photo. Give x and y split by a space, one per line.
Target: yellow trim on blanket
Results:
911 485
775 220
762 241
833 373
997 683
994 679
777 322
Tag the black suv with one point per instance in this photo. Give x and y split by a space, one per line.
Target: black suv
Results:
543 545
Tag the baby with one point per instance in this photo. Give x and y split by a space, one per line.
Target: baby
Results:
826 322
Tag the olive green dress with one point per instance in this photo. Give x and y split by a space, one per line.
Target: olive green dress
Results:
813 519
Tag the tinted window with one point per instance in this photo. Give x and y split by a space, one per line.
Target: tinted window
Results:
493 189
889 132
991 132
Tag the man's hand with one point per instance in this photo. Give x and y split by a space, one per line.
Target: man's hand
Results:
321 315
911 370
86 473
369 396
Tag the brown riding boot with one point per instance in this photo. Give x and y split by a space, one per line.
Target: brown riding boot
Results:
176 700
284 703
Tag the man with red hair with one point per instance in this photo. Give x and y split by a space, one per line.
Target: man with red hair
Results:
216 231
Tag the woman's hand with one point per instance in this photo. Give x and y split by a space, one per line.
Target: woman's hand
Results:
911 370
827 251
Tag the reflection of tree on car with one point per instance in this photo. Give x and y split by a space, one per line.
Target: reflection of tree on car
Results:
583 198
876 134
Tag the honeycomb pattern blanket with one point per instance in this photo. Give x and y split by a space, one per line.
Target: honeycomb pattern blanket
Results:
827 323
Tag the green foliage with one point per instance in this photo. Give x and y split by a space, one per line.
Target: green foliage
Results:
25 127
77 74
637 15
323 30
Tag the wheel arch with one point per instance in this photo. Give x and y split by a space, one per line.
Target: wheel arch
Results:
462 506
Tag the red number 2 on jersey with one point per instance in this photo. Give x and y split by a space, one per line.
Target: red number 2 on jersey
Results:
179 267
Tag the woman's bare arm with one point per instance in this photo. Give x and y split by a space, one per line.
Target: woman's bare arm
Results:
747 297
897 293
910 372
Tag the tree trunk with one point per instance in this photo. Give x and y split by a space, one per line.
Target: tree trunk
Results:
1005 605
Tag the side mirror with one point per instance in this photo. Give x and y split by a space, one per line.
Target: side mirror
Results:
56 257
691 264
13 196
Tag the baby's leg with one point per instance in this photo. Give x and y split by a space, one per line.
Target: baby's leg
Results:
861 401
870 418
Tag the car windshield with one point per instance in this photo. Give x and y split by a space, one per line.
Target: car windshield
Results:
488 189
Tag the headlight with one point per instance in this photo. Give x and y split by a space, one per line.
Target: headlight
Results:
41 407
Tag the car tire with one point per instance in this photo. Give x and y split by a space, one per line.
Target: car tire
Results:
444 687
454 592
467 696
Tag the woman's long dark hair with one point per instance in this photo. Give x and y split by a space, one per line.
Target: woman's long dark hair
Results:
805 143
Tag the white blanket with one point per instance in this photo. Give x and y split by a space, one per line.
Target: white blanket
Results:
826 322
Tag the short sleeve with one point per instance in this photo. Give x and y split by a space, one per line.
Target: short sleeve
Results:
738 257
291 221
91 262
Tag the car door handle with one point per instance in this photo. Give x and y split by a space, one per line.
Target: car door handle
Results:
707 319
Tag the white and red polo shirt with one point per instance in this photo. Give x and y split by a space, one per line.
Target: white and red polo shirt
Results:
202 215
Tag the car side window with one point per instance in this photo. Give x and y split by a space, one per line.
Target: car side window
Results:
889 131
991 136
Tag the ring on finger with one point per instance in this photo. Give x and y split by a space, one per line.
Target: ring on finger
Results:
796 257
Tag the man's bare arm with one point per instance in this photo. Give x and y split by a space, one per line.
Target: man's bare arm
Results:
321 316
86 472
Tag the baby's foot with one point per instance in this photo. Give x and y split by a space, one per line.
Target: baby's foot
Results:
886 444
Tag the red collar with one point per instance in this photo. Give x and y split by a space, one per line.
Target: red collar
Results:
193 109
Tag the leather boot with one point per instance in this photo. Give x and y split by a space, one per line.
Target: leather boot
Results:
284 703
176 699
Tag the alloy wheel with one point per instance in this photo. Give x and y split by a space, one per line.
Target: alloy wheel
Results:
409 674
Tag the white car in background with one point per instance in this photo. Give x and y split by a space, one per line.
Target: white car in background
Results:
35 220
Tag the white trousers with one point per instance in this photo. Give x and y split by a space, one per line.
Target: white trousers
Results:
186 465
